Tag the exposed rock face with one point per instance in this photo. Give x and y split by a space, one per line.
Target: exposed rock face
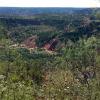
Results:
83 77
51 46
30 42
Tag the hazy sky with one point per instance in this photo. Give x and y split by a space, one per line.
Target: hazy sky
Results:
50 3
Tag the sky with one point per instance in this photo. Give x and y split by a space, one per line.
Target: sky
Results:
49 3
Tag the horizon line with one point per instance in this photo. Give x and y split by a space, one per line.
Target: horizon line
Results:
42 7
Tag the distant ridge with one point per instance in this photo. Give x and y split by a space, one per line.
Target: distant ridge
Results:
32 11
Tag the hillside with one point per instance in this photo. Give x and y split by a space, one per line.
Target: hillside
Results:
80 23
49 54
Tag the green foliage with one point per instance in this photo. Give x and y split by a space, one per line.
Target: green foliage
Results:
70 72
31 76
